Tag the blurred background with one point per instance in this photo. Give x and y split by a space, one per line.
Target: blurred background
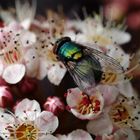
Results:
68 5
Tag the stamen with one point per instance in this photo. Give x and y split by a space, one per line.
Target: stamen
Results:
132 69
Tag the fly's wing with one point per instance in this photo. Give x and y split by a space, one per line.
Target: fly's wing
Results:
83 74
111 68
108 63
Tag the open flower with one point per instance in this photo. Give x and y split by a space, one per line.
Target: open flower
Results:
17 55
78 134
28 122
124 113
96 32
84 106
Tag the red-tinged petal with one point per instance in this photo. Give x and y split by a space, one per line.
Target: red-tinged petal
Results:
54 105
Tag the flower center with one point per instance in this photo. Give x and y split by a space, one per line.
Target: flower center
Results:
25 132
88 105
11 55
119 114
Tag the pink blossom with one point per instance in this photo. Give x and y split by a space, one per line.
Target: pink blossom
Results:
54 105
84 106
28 122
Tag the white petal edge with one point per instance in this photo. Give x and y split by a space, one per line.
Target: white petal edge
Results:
31 62
47 122
48 137
79 134
120 37
29 109
14 73
56 74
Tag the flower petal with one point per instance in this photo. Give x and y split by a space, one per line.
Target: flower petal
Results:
100 126
27 109
4 133
56 74
31 62
125 134
79 134
6 118
126 89
1 68
42 71
27 38
73 96
118 36
109 93
14 73
118 54
61 137
47 122
48 137
5 121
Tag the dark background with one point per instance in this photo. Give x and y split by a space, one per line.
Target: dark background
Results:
68 5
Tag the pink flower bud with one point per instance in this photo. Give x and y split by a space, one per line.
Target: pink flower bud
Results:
54 105
6 98
27 85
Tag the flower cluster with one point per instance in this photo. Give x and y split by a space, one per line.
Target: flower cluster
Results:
112 111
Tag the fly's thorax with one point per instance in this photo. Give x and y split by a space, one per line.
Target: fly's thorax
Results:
69 51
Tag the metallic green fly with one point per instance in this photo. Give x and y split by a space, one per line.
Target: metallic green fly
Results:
88 66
